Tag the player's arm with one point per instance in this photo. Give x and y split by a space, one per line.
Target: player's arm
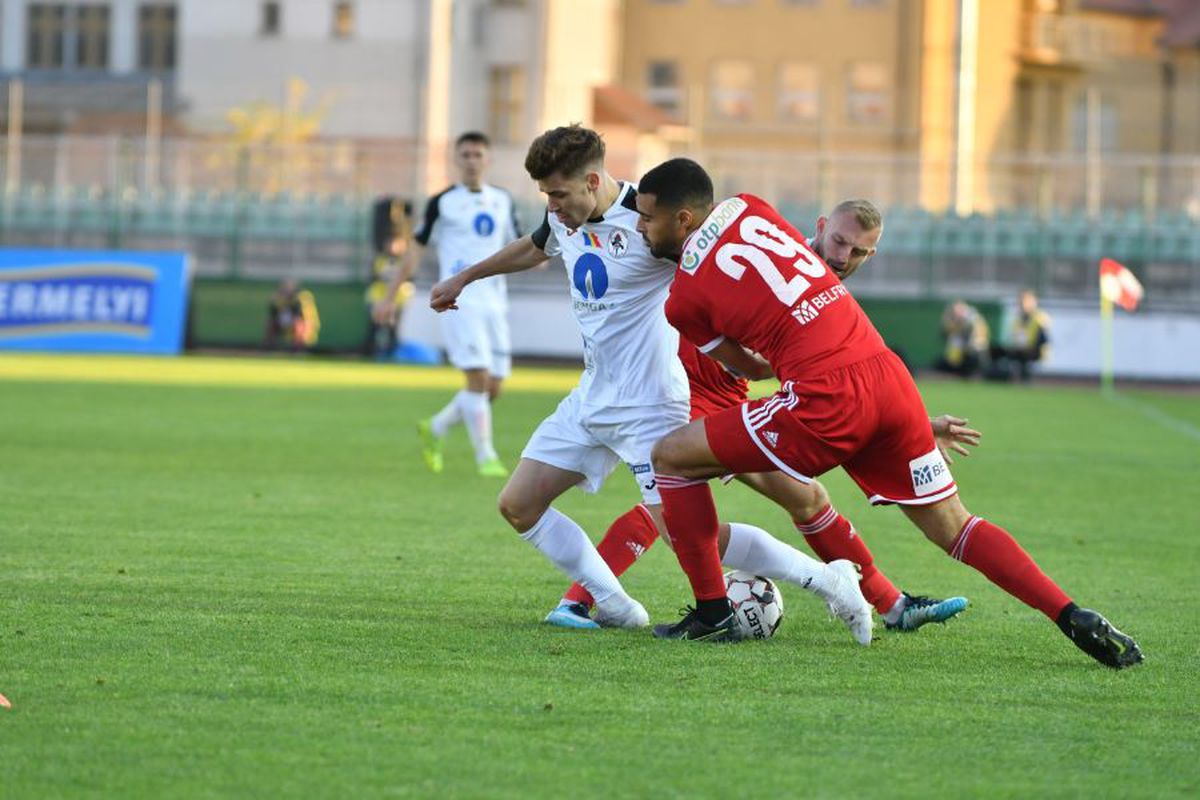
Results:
952 433
739 360
515 256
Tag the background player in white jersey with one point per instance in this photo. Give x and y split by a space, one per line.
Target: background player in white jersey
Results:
468 222
633 389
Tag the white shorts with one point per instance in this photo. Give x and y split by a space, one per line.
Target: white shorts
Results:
476 337
592 442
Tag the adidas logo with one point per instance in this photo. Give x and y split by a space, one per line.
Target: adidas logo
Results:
636 548
772 438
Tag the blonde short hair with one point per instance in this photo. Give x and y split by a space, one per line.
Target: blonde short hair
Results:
865 213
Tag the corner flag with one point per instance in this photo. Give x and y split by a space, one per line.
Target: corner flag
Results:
1118 285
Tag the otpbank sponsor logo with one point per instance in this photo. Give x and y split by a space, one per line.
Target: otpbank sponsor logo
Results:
68 298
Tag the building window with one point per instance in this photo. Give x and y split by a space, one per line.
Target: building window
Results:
506 104
867 96
733 90
799 92
156 36
662 86
271 19
47 34
866 3
91 37
1102 125
343 19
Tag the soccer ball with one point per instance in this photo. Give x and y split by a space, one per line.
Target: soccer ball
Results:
757 603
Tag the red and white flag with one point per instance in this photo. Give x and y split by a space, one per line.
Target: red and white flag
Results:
1119 285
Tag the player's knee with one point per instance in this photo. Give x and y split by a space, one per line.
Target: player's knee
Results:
517 512
665 456
494 392
805 504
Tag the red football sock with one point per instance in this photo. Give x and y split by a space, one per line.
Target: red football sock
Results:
630 535
831 536
692 524
991 550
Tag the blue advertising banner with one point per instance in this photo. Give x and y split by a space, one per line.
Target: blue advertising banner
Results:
93 301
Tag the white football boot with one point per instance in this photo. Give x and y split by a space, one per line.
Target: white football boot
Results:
621 611
844 599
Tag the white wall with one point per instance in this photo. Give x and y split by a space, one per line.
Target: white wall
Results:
373 77
1145 345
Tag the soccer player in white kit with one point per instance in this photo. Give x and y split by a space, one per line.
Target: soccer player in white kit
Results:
468 222
633 390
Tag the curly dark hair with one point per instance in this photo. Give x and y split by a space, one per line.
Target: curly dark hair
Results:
566 150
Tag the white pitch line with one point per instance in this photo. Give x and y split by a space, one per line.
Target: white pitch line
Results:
1160 416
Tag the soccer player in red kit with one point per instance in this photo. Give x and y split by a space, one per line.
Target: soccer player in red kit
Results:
749 292
845 240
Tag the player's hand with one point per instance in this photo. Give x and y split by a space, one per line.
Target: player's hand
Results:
952 433
444 293
383 311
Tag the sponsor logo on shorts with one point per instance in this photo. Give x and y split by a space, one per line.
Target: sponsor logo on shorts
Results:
702 240
811 308
929 473
639 469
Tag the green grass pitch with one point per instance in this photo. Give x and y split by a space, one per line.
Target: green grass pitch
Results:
213 590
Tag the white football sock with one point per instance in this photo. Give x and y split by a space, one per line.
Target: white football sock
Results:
754 550
477 414
448 417
565 544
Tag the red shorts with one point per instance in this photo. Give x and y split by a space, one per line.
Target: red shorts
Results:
867 418
704 406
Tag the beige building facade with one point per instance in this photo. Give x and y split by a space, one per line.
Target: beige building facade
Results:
958 99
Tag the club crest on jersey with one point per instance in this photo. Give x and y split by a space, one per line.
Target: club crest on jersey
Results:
710 231
617 244
590 239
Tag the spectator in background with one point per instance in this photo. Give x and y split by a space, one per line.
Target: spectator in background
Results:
292 319
966 335
1028 341
391 232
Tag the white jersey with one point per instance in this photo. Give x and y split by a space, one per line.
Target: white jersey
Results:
468 227
618 291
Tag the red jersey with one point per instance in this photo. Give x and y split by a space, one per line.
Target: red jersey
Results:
713 387
748 275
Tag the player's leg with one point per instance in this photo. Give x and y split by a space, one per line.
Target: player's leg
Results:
901 464
991 550
828 533
752 549
683 463
626 540
499 368
525 505
832 537
560 454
